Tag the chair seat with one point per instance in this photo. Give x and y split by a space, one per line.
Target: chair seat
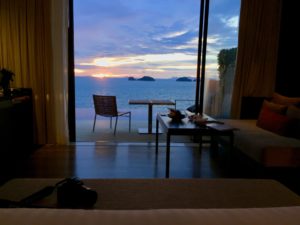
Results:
107 106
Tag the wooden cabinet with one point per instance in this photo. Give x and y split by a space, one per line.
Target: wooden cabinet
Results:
16 124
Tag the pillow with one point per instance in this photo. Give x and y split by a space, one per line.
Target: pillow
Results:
294 113
284 100
274 122
281 109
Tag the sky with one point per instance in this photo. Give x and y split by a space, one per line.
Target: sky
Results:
158 38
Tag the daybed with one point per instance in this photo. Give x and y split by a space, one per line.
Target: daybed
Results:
273 139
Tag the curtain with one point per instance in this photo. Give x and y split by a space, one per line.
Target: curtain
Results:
59 87
33 46
259 30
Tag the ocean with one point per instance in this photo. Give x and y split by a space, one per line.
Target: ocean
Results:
168 89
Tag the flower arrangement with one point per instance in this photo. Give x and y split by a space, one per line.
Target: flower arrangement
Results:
6 76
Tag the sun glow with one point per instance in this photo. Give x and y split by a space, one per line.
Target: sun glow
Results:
78 70
101 76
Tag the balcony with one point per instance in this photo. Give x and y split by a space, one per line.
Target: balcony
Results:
103 134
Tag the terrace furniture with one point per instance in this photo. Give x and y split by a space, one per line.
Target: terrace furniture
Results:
107 106
150 103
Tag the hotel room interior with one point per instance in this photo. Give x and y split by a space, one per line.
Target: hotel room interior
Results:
38 139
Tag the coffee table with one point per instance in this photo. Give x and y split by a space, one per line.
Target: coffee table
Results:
186 127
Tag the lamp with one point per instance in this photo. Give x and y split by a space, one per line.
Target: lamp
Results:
5 77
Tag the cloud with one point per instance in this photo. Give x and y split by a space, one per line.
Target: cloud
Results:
170 35
148 37
232 22
107 28
144 59
214 39
160 64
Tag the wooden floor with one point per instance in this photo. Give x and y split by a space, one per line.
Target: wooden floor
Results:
124 160
90 160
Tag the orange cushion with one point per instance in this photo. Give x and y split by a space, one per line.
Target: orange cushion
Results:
284 100
281 109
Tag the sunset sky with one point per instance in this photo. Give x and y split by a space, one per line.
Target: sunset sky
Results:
158 38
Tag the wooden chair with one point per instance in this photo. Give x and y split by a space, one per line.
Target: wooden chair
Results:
107 106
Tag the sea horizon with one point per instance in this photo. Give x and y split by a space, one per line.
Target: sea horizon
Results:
162 88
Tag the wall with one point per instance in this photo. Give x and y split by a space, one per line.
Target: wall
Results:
288 75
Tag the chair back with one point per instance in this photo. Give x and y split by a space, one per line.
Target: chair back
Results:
105 105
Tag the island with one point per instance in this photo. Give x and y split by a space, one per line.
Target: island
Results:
147 78
144 78
185 79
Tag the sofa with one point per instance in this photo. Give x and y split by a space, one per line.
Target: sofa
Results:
272 139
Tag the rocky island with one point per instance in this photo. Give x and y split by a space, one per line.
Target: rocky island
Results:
147 78
144 78
185 79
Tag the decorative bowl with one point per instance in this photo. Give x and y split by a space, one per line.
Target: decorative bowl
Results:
175 115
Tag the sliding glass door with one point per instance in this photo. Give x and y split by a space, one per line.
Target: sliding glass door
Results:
134 49
119 42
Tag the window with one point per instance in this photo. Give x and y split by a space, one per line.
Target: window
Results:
221 56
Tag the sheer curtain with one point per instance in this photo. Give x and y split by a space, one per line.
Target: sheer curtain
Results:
257 50
33 44
59 84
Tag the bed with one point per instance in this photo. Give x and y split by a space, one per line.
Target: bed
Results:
161 201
